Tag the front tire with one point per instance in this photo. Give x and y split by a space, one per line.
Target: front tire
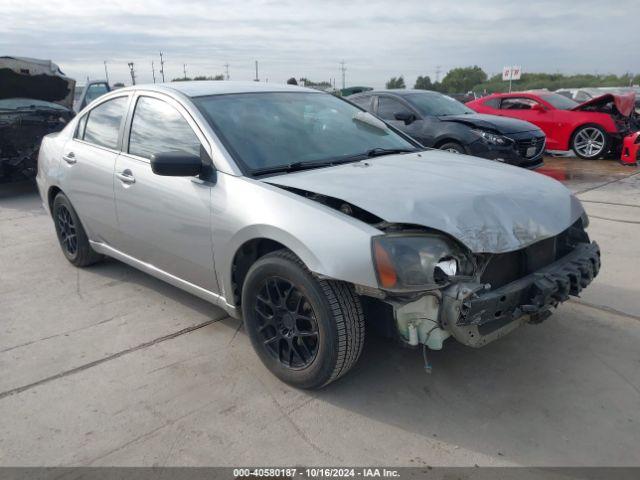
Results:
453 147
307 332
71 235
590 142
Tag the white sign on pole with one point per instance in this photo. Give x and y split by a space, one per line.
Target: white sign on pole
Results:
512 72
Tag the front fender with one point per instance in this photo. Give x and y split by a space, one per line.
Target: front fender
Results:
331 244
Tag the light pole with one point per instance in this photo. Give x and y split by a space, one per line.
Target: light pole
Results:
133 73
106 72
162 67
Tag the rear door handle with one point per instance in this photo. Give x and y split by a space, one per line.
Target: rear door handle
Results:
126 177
70 158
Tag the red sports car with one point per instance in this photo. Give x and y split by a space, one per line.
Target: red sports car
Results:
590 129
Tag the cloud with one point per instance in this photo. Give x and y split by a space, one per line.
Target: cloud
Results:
377 39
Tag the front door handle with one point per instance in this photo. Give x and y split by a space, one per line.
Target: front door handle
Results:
70 158
126 177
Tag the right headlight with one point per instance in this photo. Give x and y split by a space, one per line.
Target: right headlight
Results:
411 262
492 138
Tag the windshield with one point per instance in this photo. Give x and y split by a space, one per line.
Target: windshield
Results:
272 129
558 101
436 104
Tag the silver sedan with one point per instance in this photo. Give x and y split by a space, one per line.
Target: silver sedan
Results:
308 217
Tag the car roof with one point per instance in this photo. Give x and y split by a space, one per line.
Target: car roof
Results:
400 92
199 88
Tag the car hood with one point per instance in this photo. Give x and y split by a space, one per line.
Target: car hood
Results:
625 102
34 78
487 206
491 122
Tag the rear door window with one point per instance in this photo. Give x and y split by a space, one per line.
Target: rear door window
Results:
103 123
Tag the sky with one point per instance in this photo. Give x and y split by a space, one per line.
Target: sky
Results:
377 39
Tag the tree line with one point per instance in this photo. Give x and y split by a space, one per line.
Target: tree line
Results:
474 79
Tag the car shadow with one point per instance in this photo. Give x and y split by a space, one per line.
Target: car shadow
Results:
547 394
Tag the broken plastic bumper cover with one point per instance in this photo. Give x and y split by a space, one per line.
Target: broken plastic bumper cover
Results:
476 317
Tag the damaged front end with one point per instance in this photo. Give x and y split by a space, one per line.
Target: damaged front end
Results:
488 295
35 100
473 263
23 123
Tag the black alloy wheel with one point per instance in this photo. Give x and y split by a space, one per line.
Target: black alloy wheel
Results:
307 331
71 234
287 323
66 228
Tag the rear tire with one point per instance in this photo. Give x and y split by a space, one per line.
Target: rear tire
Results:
453 147
307 332
71 235
590 142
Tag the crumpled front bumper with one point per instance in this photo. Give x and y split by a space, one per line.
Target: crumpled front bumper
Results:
476 316
631 149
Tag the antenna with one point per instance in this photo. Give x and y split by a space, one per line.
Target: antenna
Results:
343 70
162 67
132 72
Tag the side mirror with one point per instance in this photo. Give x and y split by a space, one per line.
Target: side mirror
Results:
536 107
405 117
176 164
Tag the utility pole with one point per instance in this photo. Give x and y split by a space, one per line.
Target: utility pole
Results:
343 70
226 67
106 72
133 73
257 79
162 67
153 71
438 73
184 69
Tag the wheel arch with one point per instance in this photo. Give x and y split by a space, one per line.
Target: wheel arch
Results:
586 124
51 195
252 244
590 124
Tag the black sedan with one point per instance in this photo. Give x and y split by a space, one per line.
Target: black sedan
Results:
439 121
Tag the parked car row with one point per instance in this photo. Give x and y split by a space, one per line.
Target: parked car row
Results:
316 221
605 124
591 129
439 121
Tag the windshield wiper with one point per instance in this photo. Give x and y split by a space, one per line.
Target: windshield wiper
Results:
379 152
298 166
